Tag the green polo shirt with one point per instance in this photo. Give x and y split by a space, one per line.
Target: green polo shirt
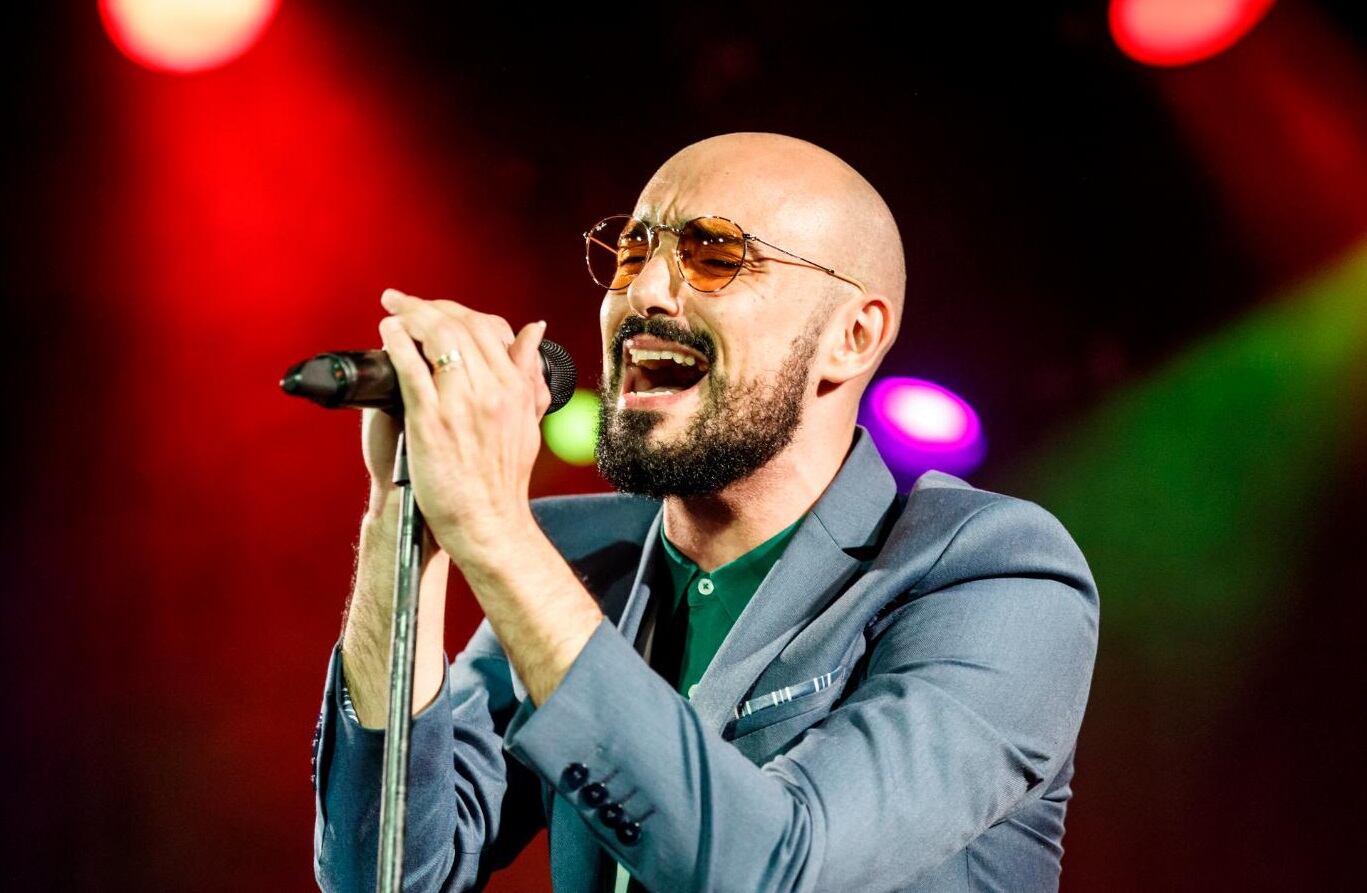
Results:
715 600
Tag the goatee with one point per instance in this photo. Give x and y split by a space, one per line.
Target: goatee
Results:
738 429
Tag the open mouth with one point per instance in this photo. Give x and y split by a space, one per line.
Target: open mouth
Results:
658 368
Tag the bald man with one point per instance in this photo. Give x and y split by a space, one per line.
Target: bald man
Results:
757 667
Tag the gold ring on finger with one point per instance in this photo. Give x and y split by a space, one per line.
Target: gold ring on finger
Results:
447 360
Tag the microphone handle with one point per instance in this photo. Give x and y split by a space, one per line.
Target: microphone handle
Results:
366 379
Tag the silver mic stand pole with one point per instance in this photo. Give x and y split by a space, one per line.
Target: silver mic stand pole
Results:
398 729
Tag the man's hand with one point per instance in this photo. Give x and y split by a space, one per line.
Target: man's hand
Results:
473 433
472 439
473 426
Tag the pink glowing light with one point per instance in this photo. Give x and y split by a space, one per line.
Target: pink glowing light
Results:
919 425
925 414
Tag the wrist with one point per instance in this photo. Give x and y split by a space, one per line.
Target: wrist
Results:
380 523
383 505
491 549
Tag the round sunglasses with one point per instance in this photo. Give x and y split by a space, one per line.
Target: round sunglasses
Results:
709 254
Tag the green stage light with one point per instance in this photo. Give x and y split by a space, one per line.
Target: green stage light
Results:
1193 493
572 433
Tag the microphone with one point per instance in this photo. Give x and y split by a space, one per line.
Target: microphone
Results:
367 379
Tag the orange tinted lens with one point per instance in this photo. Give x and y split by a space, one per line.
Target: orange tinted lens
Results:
711 252
617 248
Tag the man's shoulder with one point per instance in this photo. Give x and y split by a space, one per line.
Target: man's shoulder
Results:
951 491
972 531
940 504
996 552
582 523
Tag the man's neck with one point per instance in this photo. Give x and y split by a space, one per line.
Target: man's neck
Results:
714 530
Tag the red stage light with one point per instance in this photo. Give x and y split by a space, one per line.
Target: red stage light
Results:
1179 32
185 35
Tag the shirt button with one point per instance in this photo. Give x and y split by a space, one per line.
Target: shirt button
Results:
692 688
705 586
629 832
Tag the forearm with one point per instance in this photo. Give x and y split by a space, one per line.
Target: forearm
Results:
467 812
370 613
536 605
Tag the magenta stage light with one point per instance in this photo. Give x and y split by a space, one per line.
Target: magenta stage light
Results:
919 425
1179 32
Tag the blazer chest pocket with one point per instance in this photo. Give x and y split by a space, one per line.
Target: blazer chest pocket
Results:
769 708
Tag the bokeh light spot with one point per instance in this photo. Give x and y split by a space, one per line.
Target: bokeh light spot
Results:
1179 32
919 425
927 415
572 433
183 36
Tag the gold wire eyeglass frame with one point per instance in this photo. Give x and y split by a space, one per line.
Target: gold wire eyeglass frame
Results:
590 239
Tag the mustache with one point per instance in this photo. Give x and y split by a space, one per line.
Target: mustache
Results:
662 328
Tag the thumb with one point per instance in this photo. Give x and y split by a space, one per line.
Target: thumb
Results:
527 358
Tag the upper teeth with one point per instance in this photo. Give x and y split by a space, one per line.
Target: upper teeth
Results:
639 355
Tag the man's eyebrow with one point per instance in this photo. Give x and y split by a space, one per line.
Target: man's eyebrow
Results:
651 217
754 248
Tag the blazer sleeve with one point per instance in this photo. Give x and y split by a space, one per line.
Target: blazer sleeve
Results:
471 810
972 699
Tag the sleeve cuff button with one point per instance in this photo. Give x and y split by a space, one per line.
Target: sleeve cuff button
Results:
594 793
610 814
575 775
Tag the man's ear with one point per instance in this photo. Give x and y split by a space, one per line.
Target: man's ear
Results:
867 327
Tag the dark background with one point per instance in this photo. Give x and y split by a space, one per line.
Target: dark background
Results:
1149 282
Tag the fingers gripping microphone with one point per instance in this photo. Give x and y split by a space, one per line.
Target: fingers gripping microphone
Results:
366 379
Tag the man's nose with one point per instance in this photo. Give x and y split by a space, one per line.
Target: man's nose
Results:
657 289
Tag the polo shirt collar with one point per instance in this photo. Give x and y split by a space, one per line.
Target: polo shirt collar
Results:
733 583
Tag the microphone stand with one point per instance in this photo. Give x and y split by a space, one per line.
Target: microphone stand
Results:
398 729
367 379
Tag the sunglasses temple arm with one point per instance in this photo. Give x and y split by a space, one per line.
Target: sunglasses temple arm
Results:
851 280
597 241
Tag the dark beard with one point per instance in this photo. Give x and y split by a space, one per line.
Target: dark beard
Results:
738 429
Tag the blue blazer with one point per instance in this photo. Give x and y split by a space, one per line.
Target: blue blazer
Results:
895 709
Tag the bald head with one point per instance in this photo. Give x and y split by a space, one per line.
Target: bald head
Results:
810 202
773 368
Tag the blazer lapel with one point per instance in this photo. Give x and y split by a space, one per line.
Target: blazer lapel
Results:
629 623
814 569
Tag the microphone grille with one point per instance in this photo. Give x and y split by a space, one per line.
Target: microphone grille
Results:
560 373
